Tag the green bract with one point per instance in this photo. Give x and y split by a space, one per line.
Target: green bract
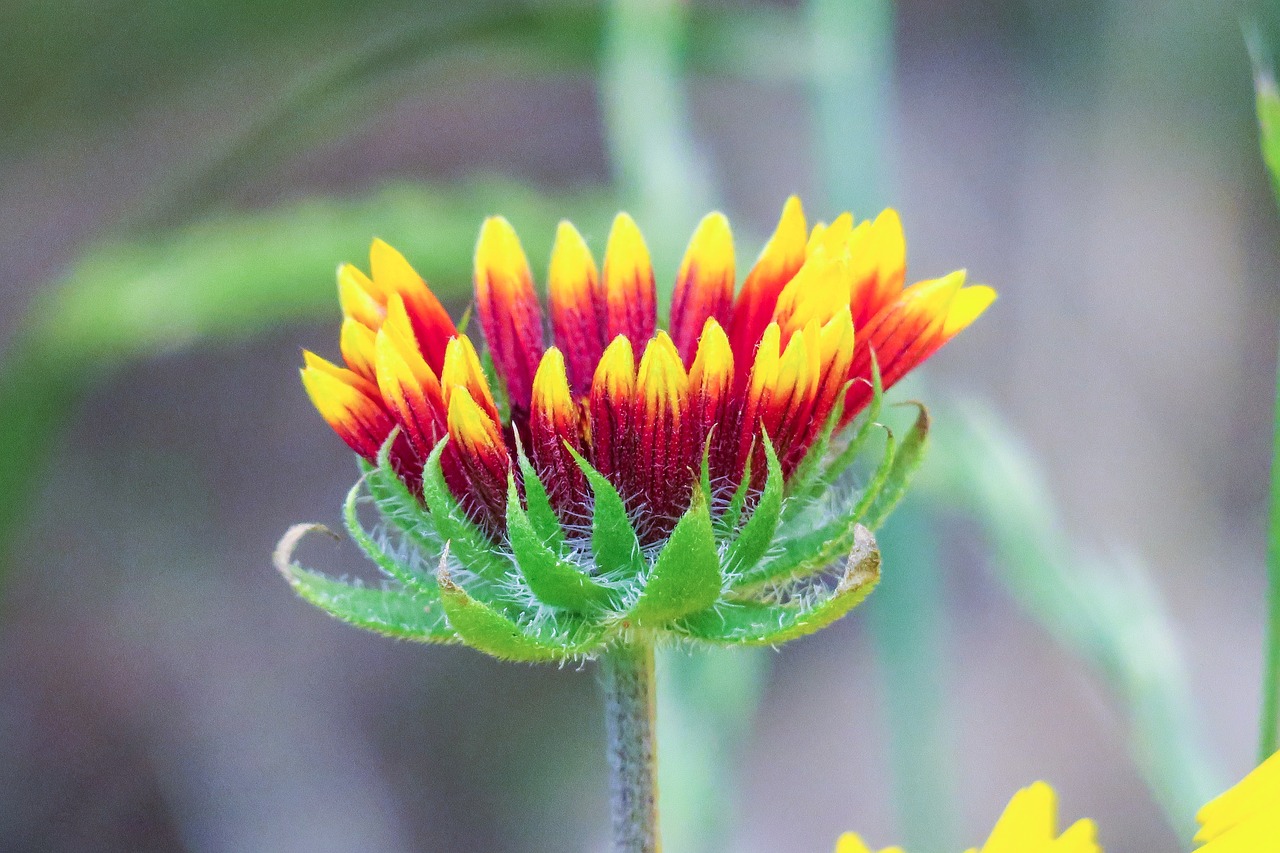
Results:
761 568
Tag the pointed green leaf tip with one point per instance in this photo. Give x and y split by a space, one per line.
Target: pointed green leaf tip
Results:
556 582
392 612
906 461
757 533
767 623
485 627
686 576
613 539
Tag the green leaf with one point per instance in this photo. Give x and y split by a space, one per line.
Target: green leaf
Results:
686 576
1267 103
727 524
613 539
845 458
757 534
762 623
488 629
419 582
466 541
543 518
400 507
905 464
555 581
393 612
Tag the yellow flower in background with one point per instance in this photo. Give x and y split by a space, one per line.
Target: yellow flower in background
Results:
1245 818
1029 825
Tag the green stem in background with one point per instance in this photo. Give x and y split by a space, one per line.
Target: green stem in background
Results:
1268 108
1267 741
627 675
908 619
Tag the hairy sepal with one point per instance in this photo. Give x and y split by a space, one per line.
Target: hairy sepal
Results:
541 515
423 583
765 623
905 464
555 581
397 505
686 575
399 613
487 628
464 539
757 534
613 538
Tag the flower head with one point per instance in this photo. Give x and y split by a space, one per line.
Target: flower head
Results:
598 474
1029 824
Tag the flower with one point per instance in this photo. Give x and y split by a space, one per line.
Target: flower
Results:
1245 818
627 476
1028 825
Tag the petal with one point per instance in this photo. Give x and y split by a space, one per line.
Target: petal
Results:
665 464
477 445
760 386
710 386
508 308
554 422
908 331
356 342
781 259
878 251
432 325
819 291
611 415
410 388
704 285
359 298
462 369
345 402
577 306
1028 822
627 282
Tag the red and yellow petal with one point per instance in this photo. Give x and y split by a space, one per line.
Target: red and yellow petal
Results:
630 301
392 274
712 413
704 285
349 403
911 329
477 446
665 463
878 264
610 408
509 310
780 260
577 307
556 421
462 369
409 386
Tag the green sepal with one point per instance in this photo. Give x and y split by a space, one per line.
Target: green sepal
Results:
543 518
397 505
728 522
555 581
757 534
419 582
497 387
398 613
464 539
488 629
905 464
613 540
845 457
816 548
686 576
760 623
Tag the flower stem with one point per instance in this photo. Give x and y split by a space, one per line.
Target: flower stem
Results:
628 677
1267 742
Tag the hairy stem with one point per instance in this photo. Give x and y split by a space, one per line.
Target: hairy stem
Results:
627 674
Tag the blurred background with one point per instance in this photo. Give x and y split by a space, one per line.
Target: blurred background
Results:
1073 592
